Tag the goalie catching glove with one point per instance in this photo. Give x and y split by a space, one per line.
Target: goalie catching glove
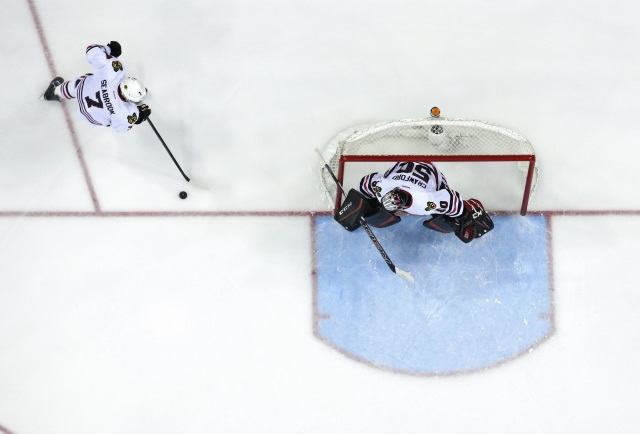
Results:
473 223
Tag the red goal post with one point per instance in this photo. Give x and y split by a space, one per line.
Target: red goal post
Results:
429 139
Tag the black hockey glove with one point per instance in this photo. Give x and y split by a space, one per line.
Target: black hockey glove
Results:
116 49
145 111
474 222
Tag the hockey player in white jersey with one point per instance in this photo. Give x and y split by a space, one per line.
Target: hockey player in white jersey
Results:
416 188
107 96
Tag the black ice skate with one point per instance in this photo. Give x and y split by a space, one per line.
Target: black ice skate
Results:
48 94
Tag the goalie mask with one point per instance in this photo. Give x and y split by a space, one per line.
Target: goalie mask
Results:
396 200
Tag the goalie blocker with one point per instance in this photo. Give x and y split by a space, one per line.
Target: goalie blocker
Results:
356 207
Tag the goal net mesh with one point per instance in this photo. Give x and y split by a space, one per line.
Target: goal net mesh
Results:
430 139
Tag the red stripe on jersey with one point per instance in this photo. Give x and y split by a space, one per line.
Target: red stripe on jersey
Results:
456 205
65 91
435 172
365 186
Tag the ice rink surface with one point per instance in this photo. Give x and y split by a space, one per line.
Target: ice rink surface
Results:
470 307
124 309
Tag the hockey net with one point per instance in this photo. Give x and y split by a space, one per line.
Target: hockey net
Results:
429 139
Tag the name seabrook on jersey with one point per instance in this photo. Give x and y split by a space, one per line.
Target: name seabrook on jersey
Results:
105 96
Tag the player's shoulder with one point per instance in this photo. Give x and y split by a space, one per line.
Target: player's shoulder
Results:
125 116
132 112
368 184
96 46
114 71
99 54
96 52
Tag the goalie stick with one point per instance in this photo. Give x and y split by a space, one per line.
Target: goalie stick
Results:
366 227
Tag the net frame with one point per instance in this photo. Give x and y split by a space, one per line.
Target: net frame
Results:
432 139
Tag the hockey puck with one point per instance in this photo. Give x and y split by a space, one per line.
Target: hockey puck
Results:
183 195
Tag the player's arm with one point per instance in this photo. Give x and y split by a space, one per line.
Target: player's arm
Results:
368 189
367 185
447 202
100 56
121 125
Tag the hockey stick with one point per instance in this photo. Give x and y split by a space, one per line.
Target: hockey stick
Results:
167 148
366 227
198 184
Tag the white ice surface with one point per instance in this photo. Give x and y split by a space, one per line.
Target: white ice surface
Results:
203 324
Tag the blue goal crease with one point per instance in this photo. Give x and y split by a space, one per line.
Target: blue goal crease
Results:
472 306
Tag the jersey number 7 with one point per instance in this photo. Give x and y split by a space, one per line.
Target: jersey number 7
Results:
92 103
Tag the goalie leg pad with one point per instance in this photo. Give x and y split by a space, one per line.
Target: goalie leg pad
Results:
354 206
441 223
381 218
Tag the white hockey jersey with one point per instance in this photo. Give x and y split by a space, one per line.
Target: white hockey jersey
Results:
427 186
98 99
